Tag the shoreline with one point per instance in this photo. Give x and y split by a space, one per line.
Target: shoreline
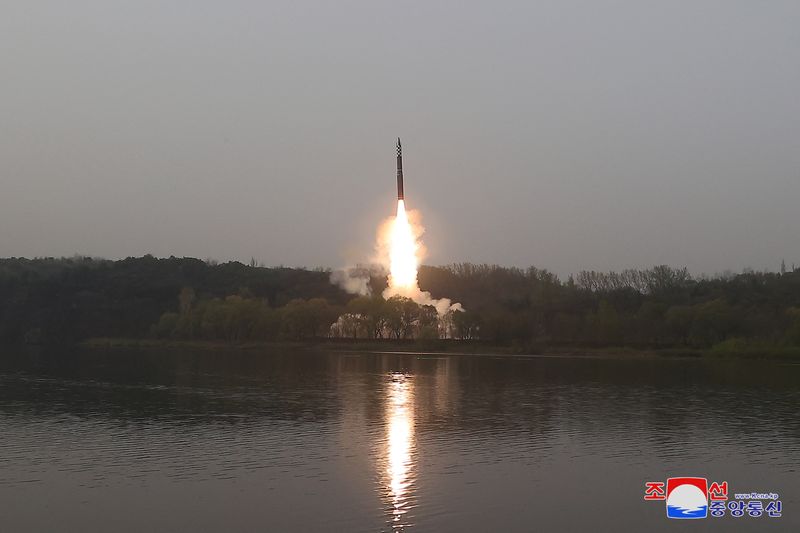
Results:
450 348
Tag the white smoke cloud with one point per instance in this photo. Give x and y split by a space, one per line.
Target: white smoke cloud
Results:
355 280
442 305
347 281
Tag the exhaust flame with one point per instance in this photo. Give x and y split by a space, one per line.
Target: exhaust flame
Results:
403 260
399 239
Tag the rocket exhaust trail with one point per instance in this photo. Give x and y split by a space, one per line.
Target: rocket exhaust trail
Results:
399 170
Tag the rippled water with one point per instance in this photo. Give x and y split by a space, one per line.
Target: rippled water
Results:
315 441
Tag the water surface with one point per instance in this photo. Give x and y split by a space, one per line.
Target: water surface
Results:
316 441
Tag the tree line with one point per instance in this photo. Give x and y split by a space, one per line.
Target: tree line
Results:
71 299
243 317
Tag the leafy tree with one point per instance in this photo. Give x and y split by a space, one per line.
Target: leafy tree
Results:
793 332
566 327
166 325
428 323
679 319
467 325
606 325
402 316
371 311
713 322
186 299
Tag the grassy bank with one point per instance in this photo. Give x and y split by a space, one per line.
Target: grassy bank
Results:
362 345
746 349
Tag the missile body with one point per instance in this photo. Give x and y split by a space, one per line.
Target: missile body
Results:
399 170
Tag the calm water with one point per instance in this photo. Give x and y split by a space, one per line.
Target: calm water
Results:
210 441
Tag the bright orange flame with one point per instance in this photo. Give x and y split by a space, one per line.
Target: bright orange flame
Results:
400 238
403 248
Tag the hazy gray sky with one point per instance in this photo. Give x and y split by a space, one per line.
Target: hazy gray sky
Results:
567 135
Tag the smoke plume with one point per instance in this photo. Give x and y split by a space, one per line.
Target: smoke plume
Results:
399 252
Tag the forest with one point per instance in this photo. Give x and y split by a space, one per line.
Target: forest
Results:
58 300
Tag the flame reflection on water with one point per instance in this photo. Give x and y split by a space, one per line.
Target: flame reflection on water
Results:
399 453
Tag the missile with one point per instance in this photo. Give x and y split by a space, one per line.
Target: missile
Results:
399 170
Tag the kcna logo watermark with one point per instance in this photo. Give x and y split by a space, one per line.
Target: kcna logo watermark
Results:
693 497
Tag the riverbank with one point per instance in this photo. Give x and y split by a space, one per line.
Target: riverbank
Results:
729 349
